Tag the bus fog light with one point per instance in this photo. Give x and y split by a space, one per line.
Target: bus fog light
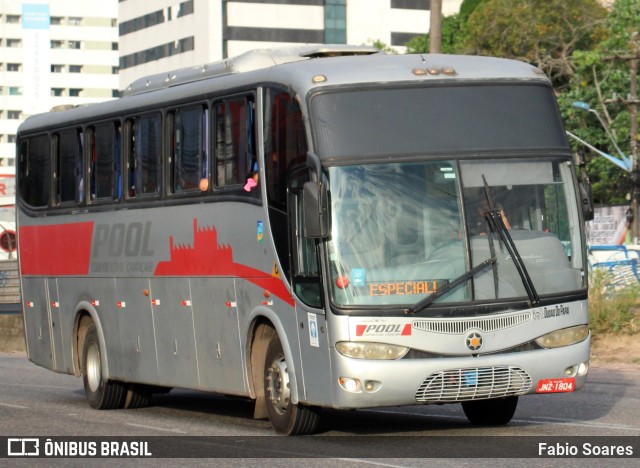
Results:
360 350
372 386
570 371
565 337
583 368
350 385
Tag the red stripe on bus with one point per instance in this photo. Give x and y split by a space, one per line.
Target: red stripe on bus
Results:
208 258
55 250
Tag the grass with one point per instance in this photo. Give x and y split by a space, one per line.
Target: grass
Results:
613 309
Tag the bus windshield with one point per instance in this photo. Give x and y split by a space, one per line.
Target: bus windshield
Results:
402 231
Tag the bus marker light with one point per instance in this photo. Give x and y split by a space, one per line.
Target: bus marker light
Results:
155 302
145 292
30 304
55 304
267 303
318 79
231 304
434 71
186 303
121 304
95 303
342 282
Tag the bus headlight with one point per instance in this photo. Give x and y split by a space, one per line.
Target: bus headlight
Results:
360 350
565 337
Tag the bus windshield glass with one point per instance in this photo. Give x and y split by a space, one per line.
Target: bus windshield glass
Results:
402 231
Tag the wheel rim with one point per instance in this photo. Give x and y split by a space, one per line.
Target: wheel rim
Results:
93 367
278 385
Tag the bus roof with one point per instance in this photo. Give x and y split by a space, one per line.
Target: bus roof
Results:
302 68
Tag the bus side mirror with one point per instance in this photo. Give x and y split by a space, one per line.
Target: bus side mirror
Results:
586 199
316 216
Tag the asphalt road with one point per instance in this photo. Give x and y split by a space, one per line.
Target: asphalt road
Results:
35 402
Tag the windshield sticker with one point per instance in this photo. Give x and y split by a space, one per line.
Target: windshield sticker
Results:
260 232
358 276
399 288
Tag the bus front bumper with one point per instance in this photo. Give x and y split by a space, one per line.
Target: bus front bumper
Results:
361 383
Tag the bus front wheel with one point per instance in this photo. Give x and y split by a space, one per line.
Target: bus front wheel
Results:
285 417
101 393
494 412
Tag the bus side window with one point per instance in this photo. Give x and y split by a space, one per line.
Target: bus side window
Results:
103 156
234 142
148 152
144 151
35 170
189 148
69 174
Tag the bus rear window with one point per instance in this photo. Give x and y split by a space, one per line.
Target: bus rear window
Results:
35 171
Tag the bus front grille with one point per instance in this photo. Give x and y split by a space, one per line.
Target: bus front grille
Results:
462 325
473 383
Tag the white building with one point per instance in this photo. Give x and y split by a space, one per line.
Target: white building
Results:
53 52
163 35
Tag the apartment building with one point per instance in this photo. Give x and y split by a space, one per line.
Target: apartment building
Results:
54 52
168 34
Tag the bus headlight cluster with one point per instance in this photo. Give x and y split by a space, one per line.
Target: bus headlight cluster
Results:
565 337
361 350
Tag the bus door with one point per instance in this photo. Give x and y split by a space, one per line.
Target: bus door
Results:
307 285
37 321
135 357
56 324
217 339
171 307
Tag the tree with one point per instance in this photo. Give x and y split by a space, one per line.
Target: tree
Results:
454 32
544 33
599 77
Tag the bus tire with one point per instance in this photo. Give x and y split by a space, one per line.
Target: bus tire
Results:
138 396
285 417
101 393
494 412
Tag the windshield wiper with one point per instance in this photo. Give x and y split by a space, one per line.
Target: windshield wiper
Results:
427 301
496 224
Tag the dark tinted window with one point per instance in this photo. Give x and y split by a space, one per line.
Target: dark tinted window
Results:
34 170
419 120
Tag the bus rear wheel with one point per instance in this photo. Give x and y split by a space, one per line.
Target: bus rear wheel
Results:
101 393
285 417
495 412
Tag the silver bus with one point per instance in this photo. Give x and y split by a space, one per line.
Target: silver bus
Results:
309 227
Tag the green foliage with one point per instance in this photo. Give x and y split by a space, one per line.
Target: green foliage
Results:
598 77
541 32
610 310
378 44
453 38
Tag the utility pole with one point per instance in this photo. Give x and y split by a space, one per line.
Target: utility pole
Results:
633 135
435 27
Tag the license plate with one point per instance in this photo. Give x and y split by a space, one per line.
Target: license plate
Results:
556 385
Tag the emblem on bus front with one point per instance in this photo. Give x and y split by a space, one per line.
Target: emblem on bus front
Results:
474 341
